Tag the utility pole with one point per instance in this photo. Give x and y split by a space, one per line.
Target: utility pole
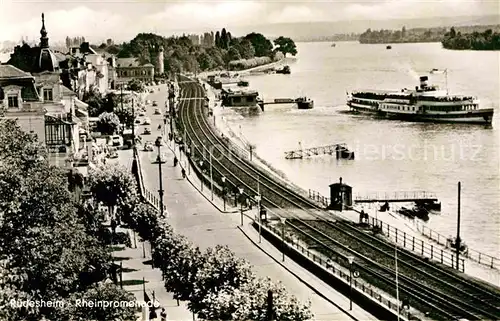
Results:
458 241
160 191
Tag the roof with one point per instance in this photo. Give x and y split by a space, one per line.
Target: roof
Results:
127 62
130 62
11 72
60 56
66 91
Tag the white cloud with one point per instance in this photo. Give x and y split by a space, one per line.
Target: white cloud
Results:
195 15
296 13
409 9
122 20
80 21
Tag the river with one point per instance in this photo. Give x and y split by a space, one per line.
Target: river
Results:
390 155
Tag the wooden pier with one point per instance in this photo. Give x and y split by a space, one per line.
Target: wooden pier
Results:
340 150
419 196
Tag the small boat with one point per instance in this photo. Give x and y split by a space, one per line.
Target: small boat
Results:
243 83
334 45
385 207
430 206
388 47
304 103
342 152
285 70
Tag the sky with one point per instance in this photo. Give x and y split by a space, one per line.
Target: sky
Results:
122 20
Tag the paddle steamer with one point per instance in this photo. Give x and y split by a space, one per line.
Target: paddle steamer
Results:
424 103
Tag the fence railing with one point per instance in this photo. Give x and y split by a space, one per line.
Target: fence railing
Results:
342 273
316 196
402 195
418 246
146 194
411 243
476 256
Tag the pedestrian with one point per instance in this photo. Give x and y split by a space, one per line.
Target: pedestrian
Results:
175 161
163 314
183 173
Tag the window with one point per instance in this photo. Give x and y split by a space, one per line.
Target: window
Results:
47 95
13 101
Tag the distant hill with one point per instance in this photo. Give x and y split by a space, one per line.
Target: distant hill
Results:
325 31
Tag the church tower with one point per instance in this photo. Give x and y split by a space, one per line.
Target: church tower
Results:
46 60
160 70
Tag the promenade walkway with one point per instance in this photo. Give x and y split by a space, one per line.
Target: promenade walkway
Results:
192 214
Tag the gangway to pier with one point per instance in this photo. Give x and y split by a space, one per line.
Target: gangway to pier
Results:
340 150
414 196
279 101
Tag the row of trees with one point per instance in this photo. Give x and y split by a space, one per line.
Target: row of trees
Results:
487 40
401 36
53 248
216 284
182 55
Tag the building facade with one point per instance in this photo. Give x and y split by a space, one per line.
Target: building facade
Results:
128 69
44 106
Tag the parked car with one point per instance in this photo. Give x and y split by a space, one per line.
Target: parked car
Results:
147 131
116 140
146 121
112 153
157 111
137 121
142 113
148 147
155 103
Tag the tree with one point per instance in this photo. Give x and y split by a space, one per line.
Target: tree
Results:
94 99
136 85
223 39
102 292
108 123
285 45
246 49
221 269
249 302
54 257
217 39
233 54
263 47
112 185
126 116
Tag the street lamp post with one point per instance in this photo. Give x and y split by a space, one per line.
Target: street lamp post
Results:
283 223
224 191
201 169
160 191
258 199
351 261
240 189
458 241
211 180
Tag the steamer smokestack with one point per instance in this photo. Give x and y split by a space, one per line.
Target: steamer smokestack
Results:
423 82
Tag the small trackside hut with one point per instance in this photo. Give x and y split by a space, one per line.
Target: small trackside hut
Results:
340 196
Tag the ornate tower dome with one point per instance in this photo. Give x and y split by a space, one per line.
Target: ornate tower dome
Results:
46 61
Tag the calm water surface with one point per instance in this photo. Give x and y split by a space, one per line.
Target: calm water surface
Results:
390 155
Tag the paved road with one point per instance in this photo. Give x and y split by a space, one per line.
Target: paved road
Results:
195 217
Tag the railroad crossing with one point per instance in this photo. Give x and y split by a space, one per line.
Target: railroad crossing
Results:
333 149
415 196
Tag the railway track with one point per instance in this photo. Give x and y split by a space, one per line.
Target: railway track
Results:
443 293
